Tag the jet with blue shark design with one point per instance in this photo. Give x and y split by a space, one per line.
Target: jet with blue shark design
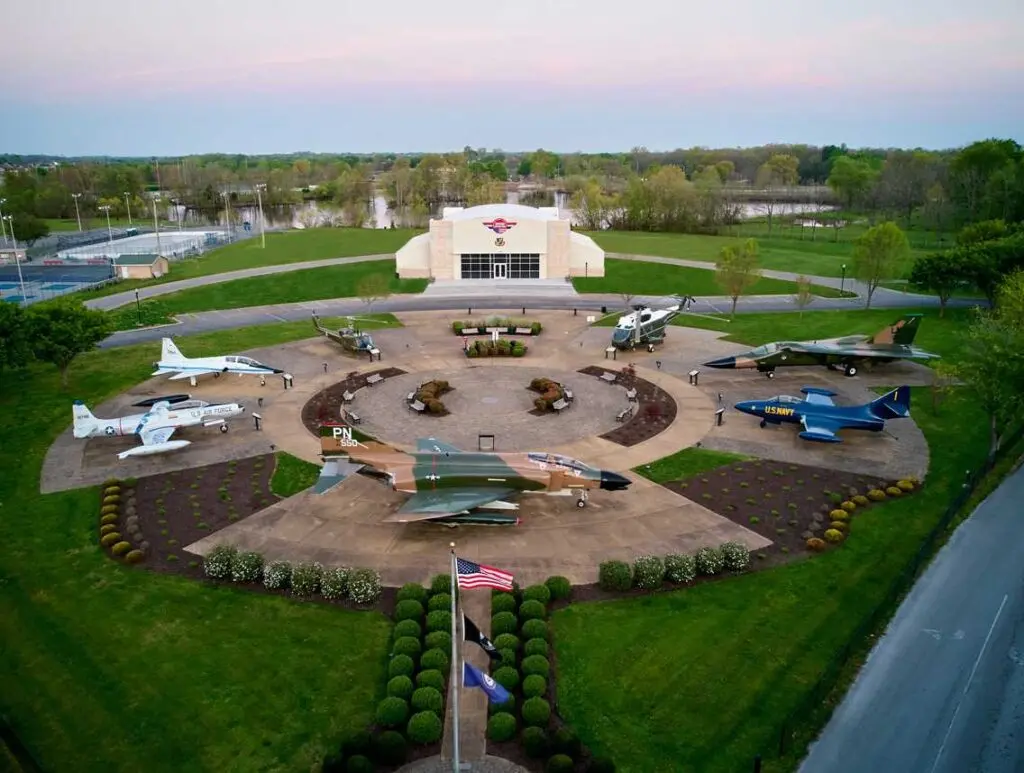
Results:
173 361
822 419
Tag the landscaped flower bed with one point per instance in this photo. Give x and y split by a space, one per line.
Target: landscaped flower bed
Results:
500 325
550 392
503 347
430 395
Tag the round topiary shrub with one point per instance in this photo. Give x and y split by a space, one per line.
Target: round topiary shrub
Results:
849 506
842 526
501 727
838 515
441 583
392 712
427 699
424 728
904 485
401 665
503 622
816 544
107 528
893 491
109 514
306 578
532 610
615 576
430 677
334 583
833 535
648 572
559 763
277 575
111 500
507 677
535 742
400 687
110 539
601 765
409 609
441 601
709 561
539 593
536 664
247 567
412 591
390 748
134 556
407 628
358 764
364 586
535 647
503 602
535 629
536 711
113 488
534 686
407 645
507 641
121 548
876 495
735 555
566 742
439 640
436 659
861 501
559 586
439 620
680 568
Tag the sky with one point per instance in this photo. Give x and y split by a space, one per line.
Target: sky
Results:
119 77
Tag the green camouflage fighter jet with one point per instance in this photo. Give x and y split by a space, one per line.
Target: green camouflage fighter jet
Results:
451 486
892 342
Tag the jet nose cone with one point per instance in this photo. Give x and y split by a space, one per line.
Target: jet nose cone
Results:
276 370
721 362
747 406
612 481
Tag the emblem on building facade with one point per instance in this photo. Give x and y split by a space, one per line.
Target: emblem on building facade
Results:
500 225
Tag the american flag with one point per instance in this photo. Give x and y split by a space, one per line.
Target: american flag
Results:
472 575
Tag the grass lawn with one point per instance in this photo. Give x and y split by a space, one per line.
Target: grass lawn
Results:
111 668
818 258
640 278
687 462
292 475
282 247
705 676
311 284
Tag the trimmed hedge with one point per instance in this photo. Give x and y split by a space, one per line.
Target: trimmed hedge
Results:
441 583
503 602
412 591
440 601
504 622
501 727
535 629
534 686
439 620
559 586
430 677
440 640
358 764
407 628
407 645
541 593
648 572
532 610
536 664
615 576
409 609
424 728
400 687
401 665
560 763
427 699
392 712
536 711
507 641
497 708
566 742
434 659
507 677
390 748
535 647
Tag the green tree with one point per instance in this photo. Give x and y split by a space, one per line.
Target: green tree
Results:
804 293
372 288
879 254
736 270
28 228
15 337
851 179
943 273
63 329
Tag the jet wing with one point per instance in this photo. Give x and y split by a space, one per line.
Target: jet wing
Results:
154 437
820 429
191 373
334 471
817 396
431 446
424 505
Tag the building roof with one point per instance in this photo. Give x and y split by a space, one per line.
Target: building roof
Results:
136 260
513 211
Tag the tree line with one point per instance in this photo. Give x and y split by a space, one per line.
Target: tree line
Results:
688 190
55 332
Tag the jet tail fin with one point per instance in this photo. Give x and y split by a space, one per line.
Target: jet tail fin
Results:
84 421
170 352
893 405
902 331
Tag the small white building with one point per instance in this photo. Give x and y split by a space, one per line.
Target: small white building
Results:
500 241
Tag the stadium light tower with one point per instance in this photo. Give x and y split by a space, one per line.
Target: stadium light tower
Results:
156 225
21 279
2 226
128 206
177 212
110 233
78 215
263 232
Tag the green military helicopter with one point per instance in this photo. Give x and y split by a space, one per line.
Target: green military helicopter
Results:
352 340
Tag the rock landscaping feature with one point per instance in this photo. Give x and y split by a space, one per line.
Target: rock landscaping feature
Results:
503 347
549 391
653 411
325 405
500 325
120 534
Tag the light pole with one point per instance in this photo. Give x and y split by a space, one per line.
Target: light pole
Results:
227 215
177 212
259 198
138 306
128 206
78 215
21 279
2 226
110 233
842 282
156 225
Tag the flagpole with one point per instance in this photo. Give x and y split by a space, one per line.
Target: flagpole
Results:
455 675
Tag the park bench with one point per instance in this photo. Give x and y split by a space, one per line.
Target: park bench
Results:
417 406
410 397
347 397
374 353
559 405
376 378
609 377
568 394
352 418
624 414
631 395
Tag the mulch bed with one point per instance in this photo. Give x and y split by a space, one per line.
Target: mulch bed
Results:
654 412
325 405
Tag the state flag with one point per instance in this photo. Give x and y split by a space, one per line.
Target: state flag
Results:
474 677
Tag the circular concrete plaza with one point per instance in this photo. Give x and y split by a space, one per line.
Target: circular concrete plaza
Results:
493 400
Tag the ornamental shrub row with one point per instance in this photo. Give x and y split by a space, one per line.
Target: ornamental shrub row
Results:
650 572
119 538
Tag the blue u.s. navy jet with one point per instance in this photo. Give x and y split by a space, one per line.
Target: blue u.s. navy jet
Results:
822 419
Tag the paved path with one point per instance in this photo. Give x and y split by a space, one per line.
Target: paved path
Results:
943 690
476 605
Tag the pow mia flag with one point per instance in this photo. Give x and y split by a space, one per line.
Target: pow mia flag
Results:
473 634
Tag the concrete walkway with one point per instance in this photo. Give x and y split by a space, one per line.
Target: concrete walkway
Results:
476 605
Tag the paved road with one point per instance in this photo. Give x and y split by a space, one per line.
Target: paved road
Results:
943 690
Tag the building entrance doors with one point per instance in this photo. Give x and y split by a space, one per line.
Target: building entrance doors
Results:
499 270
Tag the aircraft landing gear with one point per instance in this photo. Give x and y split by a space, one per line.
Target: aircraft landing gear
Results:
650 347
223 427
764 423
850 369
582 501
770 374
